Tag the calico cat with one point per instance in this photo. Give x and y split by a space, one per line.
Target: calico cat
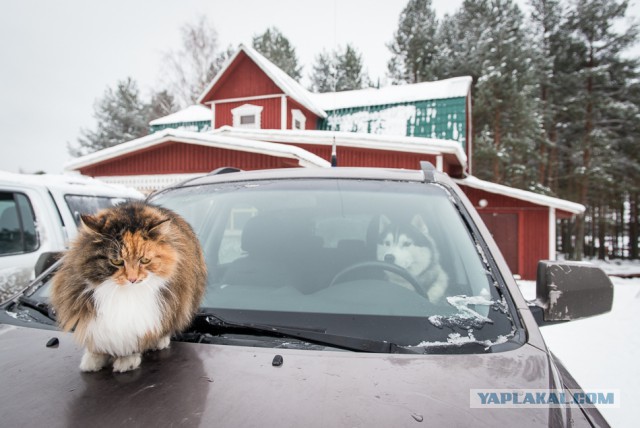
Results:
134 275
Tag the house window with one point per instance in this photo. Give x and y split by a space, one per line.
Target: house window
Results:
247 116
298 120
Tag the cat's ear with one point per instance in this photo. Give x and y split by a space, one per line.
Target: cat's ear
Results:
154 226
92 223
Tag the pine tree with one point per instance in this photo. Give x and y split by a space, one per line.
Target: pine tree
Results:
162 104
415 47
121 116
349 73
277 48
490 37
323 75
601 79
342 70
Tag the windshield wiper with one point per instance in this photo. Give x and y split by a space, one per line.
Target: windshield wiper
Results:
349 343
41 307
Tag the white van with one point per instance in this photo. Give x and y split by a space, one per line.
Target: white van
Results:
39 215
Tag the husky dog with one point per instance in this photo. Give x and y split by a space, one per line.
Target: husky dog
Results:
410 246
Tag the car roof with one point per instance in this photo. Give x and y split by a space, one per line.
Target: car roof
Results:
310 173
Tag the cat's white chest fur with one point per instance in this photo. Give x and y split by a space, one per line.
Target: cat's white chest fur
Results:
124 314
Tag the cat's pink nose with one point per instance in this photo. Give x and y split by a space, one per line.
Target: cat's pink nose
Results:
132 280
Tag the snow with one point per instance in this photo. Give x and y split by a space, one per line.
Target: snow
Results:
603 351
449 88
317 103
280 78
194 113
304 157
391 121
523 195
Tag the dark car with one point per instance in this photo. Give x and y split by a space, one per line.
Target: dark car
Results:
336 297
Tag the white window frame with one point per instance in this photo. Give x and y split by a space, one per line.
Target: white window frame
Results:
300 117
247 110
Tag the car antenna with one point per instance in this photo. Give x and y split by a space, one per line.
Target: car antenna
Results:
334 155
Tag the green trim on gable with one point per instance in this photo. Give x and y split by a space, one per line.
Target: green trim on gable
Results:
442 118
198 126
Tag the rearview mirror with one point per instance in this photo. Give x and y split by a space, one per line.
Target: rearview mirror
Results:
567 291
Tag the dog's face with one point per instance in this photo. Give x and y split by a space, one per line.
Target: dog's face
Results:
406 245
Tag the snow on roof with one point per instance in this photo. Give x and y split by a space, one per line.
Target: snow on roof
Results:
194 113
449 88
523 195
287 84
431 146
304 158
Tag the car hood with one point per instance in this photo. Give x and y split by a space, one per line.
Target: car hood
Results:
197 384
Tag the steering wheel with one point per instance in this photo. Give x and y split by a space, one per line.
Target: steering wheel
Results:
390 267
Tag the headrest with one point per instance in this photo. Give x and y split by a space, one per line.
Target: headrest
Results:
263 234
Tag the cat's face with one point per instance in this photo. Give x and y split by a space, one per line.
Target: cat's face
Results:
137 257
127 246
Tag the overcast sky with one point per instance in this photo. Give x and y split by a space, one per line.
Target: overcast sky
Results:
58 57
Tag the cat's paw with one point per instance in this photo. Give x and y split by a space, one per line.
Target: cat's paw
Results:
124 364
163 343
93 362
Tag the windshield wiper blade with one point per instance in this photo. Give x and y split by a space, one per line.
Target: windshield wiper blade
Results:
349 343
42 308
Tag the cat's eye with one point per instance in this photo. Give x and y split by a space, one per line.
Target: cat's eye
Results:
144 260
116 262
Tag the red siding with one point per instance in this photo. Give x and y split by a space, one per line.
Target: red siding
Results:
178 158
352 156
533 228
243 78
270 113
312 119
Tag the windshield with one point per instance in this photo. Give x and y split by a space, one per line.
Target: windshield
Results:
389 261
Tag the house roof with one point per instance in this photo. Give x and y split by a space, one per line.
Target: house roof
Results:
431 146
523 195
303 157
287 84
449 88
194 113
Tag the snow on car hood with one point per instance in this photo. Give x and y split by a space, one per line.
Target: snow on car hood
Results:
192 384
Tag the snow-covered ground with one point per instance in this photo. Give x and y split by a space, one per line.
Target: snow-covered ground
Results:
603 352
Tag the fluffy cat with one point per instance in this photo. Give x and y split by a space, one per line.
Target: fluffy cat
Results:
134 275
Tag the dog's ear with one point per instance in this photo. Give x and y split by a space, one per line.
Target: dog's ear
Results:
383 224
418 222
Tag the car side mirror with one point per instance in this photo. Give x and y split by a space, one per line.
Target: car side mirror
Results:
45 261
567 291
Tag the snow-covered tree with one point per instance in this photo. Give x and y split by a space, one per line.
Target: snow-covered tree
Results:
342 70
162 104
120 115
415 50
277 48
323 75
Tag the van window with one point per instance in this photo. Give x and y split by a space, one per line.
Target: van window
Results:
87 204
17 224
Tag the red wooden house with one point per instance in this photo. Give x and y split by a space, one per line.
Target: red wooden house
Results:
262 118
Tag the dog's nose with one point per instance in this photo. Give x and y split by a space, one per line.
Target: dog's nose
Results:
389 258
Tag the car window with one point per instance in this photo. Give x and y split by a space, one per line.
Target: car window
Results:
89 204
317 251
17 224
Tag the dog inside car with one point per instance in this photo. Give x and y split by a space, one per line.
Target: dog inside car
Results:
409 245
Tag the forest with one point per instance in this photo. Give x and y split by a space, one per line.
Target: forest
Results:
556 98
